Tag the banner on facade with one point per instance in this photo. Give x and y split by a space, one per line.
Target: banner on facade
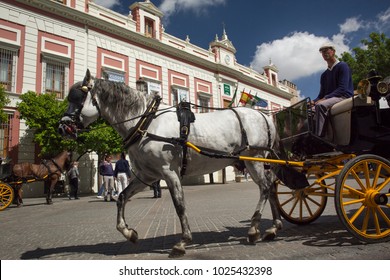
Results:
226 89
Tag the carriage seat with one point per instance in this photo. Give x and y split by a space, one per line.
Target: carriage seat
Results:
339 126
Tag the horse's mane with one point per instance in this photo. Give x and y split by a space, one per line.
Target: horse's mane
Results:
119 96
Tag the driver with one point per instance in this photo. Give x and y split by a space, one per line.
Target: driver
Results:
335 86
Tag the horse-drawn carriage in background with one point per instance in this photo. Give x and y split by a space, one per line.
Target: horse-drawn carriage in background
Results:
13 177
351 163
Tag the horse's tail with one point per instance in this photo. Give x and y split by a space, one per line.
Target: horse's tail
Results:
285 173
277 147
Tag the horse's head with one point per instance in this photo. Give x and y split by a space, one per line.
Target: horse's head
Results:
64 160
68 160
82 109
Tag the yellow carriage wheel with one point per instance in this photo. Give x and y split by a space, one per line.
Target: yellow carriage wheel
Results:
6 195
301 206
362 198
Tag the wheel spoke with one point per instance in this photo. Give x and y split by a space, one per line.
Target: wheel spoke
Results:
384 184
293 206
358 180
314 201
377 175
384 216
357 214
353 190
365 221
308 207
366 172
287 201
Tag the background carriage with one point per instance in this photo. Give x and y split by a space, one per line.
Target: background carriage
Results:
7 192
12 177
351 163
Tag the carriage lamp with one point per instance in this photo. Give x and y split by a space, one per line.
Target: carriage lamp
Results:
382 87
141 85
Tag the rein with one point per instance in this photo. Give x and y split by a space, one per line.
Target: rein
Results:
140 129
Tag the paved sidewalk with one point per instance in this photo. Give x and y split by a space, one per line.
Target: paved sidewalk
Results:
219 218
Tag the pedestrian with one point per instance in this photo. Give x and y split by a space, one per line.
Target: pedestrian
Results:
122 173
107 172
335 86
156 189
74 178
101 191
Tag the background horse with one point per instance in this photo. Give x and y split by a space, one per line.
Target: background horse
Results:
49 170
147 131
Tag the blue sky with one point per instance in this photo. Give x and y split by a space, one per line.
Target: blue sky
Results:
288 33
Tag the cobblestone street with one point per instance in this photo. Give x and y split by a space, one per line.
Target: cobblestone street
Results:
219 217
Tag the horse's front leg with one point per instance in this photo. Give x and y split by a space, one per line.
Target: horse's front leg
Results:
49 197
177 194
129 233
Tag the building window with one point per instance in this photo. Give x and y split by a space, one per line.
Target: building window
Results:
179 95
7 68
204 102
55 75
149 27
5 135
154 88
114 76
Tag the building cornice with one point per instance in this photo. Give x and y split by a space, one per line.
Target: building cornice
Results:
87 20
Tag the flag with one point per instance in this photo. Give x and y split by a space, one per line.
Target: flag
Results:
233 99
245 98
257 101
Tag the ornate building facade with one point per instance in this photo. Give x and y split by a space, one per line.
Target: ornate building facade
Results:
47 45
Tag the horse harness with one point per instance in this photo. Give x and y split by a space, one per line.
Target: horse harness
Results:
186 117
46 164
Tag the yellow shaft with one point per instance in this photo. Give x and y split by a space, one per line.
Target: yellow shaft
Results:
267 160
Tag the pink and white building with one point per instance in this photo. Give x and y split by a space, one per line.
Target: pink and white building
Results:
47 45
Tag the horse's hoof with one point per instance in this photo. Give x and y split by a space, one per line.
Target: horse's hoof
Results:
49 202
269 234
178 251
132 236
253 235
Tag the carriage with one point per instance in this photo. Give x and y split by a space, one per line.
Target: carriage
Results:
351 163
7 192
13 177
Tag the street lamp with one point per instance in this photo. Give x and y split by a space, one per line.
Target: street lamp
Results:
141 85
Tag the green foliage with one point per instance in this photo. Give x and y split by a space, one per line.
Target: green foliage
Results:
42 113
375 54
101 138
4 100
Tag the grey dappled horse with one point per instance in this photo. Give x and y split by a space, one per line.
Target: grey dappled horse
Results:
150 133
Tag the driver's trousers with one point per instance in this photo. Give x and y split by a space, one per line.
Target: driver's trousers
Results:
321 114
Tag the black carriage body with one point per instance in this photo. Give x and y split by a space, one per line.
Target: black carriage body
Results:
5 170
355 126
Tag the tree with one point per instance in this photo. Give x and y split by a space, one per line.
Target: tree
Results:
4 100
375 54
42 113
100 138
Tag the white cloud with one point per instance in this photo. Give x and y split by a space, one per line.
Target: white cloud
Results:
385 16
350 25
296 55
169 7
107 3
